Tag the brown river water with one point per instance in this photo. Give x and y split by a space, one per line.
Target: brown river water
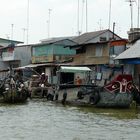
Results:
42 120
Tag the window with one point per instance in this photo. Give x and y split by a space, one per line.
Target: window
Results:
112 50
99 51
81 50
103 39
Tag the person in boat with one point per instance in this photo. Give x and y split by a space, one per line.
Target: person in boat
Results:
78 80
18 78
43 79
43 83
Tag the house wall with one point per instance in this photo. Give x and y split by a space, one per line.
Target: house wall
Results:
103 74
119 49
90 56
23 54
19 56
49 53
3 65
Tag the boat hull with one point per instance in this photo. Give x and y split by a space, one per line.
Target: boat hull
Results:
98 98
14 96
115 100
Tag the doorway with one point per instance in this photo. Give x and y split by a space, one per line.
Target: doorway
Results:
66 78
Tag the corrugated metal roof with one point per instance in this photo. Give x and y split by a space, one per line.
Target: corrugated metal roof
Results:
1 48
132 52
8 40
56 39
88 36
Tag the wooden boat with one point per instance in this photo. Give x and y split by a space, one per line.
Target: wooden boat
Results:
12 91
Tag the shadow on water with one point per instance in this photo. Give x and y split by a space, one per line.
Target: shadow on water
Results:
2 104
118 113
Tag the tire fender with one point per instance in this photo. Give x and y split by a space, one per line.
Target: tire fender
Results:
94 98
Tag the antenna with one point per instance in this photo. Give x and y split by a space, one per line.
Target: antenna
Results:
49 21
82 14
27 21
110 4
12 27
138 12
131 9
78 32
24 29
86 15
100 24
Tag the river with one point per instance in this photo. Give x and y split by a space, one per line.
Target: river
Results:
42 120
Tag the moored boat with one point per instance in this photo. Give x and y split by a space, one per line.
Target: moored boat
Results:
118 93
12 91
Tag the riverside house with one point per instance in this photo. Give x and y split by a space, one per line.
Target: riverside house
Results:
131 61
97 50
47 55
8 55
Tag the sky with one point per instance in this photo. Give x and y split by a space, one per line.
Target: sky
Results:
62 20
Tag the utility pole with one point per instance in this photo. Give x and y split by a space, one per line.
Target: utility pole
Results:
114 24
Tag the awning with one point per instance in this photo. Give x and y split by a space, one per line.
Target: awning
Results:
27 66
131 61
34 65
74 69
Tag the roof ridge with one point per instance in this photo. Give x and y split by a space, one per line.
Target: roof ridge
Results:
102 31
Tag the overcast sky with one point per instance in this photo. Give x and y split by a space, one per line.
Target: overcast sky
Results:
63 18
